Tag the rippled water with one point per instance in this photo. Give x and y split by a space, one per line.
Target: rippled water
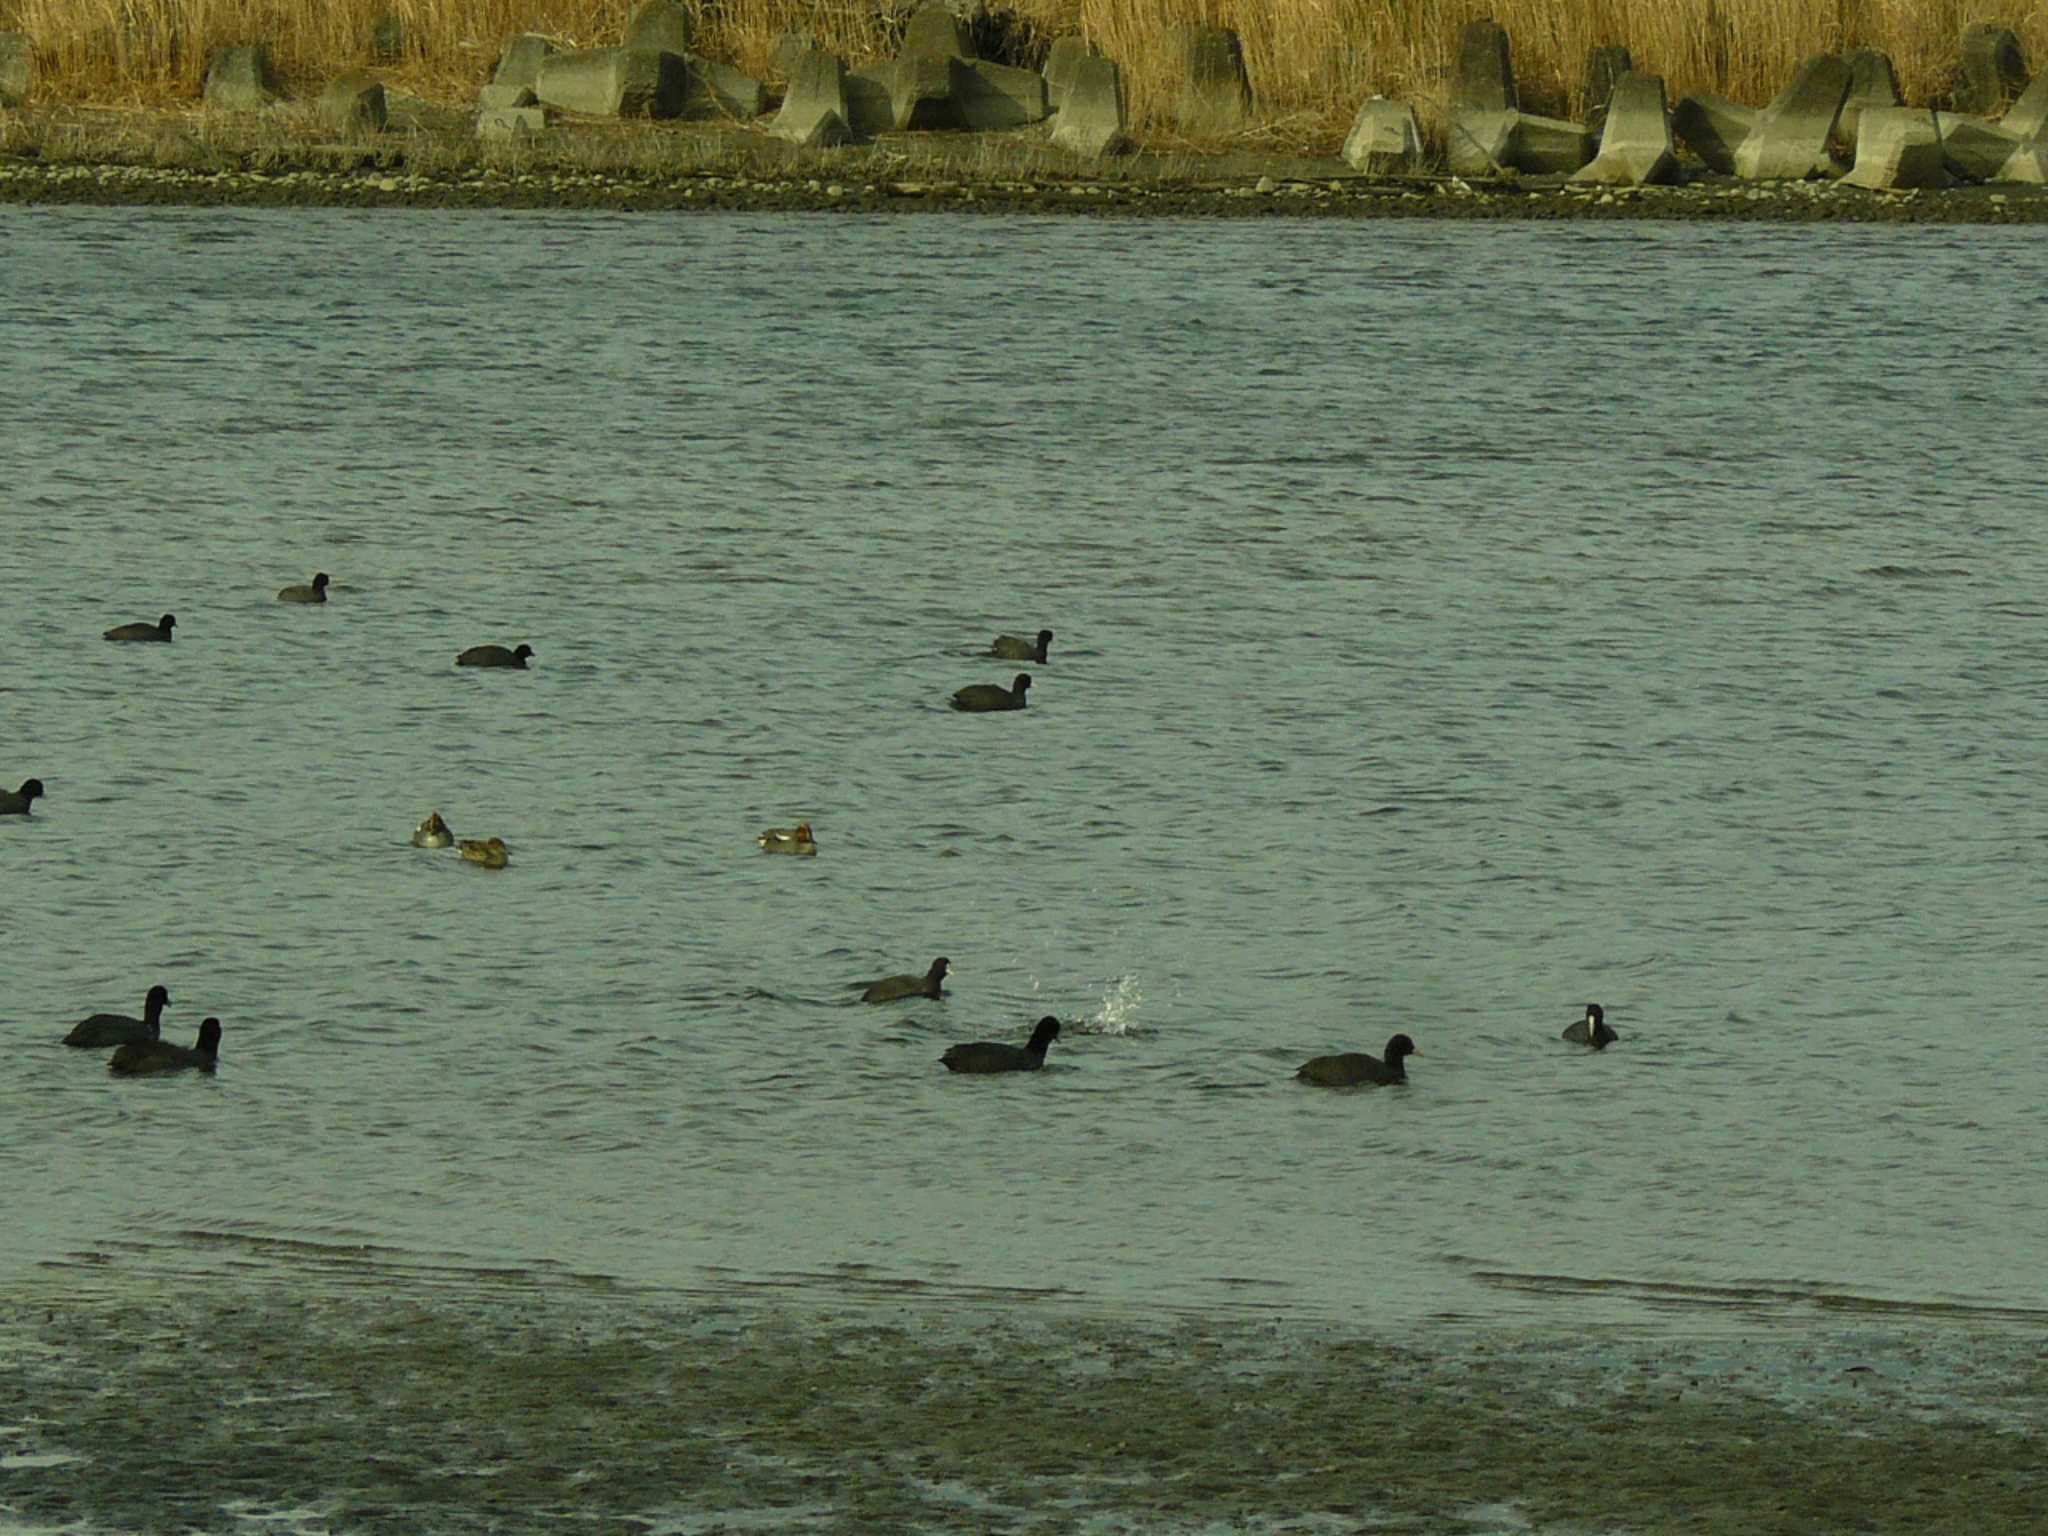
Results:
1453 625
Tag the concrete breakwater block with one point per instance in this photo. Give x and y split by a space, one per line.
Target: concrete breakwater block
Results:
2028 118
1482 75
994 97
658 26
498 97
814 111
1215 92
1990 69
1872 83
1061 61
17 62
510 124
519 63
354 103
1489 143
1604 68
1977 149
1093 121
1790 141
869 106
1547 146
721 90
1896 148
785 51
1478 140
240 79
922 92
1635 143
934 32
1713 127
1383 138
614 82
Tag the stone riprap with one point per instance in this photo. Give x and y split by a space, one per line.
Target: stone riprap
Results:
1897 148
240 79
814 111
1093 120
519 63
1872 83
1215 92
1990 69
1384 138
17 63
614 82
1635 143
658 26
1792 137
1061 60
354 103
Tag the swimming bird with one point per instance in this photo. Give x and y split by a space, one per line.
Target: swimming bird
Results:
796 839
1354 1067
316 592
160 630
983 697
890 988
15 802
492 854
993 1056
1592 1030
140 1058
494 656
432 833
104 1029
1012 648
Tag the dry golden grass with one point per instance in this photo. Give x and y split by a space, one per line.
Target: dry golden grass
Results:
1311 61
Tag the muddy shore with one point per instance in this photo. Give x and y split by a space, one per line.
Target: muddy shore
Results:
433 161
403 1402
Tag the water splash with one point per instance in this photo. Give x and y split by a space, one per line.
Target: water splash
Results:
1118 1013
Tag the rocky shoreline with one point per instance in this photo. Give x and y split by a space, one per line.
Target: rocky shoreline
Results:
871 182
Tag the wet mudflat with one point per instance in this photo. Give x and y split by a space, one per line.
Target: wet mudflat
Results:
513 1406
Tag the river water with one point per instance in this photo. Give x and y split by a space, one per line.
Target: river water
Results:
1453 625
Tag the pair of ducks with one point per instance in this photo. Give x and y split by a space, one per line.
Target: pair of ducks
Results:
314 591
987 698
1354 1069
140 1050
490 852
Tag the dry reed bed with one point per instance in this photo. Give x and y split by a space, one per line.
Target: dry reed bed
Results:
1311 61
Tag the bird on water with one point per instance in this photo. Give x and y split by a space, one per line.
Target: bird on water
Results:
494 656
891 988
104 1029
796 839
432 833
141 1058
983 698
314 591
1016 648
1353 1068
994 1056
15 802
160 630
1592 1029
